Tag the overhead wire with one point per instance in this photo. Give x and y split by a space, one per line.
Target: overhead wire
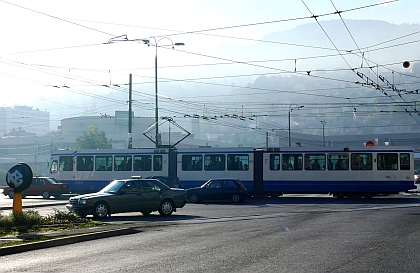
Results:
371 5
57 18
339 13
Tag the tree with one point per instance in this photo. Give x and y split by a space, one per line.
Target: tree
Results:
93 139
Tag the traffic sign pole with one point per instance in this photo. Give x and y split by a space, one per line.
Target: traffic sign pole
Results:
17 203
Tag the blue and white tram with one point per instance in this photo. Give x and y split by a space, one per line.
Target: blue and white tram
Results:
358 171
350 171
197 165
91 170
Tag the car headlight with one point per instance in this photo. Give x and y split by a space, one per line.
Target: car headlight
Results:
84 201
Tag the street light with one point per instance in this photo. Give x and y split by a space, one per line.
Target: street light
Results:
155 44
290 110
323 132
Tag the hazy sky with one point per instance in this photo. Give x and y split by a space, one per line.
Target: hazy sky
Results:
55 50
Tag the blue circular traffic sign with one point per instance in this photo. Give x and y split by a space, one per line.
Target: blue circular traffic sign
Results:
19 177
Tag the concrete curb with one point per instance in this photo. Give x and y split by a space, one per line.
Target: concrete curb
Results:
31 206
66 240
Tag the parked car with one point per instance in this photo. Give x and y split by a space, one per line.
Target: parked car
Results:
170 181
219 189
129 195
44 186
416 182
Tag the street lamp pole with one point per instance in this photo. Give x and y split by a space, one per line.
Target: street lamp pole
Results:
156 103
289 126
323 132
149 43
290 110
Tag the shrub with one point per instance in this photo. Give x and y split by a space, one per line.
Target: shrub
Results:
32 218
63 217
29 218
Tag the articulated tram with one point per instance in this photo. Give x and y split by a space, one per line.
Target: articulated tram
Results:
348 171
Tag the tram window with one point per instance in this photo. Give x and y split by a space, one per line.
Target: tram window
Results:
103 163
387 161
157 162
84 163
338 162
123 163
54 166
361 161
404 161
142 163
214 162
65 163
292 162
274 162
192 162
238 162
314 161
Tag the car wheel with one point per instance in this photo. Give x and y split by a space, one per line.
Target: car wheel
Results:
45 195
166 207
11 194
100 210
236 198
194 198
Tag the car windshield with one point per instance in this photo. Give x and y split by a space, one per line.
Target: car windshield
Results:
113 187
206 185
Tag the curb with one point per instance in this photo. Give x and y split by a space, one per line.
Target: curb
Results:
29 206
66 240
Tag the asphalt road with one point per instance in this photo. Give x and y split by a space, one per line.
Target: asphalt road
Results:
288 234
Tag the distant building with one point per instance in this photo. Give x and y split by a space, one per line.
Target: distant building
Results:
24 118
115 128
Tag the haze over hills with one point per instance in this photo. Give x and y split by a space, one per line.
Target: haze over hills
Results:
316 48
308 65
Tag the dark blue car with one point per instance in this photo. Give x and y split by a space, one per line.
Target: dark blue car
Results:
219 189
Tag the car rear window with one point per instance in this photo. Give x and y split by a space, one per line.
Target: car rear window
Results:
52 181
231 184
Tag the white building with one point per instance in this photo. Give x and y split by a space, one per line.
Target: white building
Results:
24 118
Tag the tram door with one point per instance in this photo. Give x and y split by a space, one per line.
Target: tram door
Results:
258 171
172 163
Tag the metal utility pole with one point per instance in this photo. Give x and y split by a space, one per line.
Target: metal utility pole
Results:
130 125
323 131
290 110
155 44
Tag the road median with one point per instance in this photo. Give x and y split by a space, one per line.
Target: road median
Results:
64 237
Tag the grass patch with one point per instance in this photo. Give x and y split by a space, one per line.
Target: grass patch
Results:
31 221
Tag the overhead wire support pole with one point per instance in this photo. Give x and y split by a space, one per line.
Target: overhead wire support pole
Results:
130 115
156 42
123 38
157 142
290 110
323 122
